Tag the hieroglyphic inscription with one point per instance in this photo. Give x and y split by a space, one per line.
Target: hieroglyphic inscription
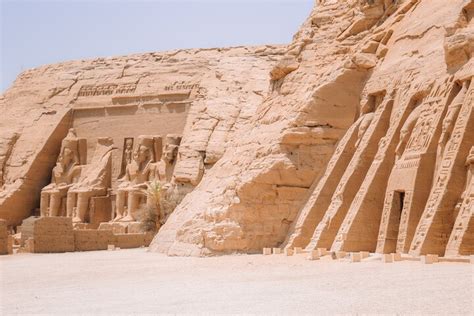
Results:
439 189
106 89
181 85
433 109
463 221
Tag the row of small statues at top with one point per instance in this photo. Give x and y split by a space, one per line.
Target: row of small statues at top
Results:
77 183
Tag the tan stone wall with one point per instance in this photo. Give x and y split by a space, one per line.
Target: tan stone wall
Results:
90 240
126 241
56 234
53 234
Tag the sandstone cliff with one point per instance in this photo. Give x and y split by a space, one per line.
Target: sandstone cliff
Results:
367 67
203 94
358 135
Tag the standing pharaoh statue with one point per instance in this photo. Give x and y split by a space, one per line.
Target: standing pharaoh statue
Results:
128 151
448 123
127 156
470 170
406 131
133 186
64 175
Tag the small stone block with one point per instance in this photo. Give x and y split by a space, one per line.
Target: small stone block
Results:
288 252
396 257
429 259
364 254
111 247
298 250
267 251
355 257
471 259
313 255
276 251
387 258
340 254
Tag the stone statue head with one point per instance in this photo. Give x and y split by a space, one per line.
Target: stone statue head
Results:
170 153
450 118
129 143
69 149
171 148
143 154
144 151
471 154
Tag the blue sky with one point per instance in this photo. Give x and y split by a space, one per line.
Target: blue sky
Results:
36 32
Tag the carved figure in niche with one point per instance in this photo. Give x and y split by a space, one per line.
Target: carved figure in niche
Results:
406 131
165 166
470 175
95 181
127 155
470 170
448 123
133 186
66 172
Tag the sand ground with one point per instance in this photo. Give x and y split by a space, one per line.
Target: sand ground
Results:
138 282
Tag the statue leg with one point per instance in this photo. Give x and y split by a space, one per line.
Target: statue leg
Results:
82 207
54 203
133 202
44 204
70 204
120 205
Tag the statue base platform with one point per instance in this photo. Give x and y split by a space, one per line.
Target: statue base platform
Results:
122 227
84 226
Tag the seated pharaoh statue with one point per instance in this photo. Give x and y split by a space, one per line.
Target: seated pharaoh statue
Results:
95 181
165 166
132 188
66 172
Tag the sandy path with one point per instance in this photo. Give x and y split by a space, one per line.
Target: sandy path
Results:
137 282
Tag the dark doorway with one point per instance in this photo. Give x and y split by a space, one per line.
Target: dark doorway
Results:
398 202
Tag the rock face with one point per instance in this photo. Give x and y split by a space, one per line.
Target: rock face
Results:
406 184
205 95
358 136
400 70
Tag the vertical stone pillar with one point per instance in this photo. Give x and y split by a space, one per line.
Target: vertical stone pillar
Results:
327 229
313 211
360 227
437 221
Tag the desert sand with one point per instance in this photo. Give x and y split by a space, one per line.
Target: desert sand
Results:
138 282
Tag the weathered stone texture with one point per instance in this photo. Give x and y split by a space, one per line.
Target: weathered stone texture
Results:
357 136
206 94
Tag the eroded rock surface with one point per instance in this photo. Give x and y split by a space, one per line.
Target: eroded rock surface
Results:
204 95
357 136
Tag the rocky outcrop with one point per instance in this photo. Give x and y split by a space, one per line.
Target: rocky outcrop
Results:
204 95
396 68
357 136
402 190
250 198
